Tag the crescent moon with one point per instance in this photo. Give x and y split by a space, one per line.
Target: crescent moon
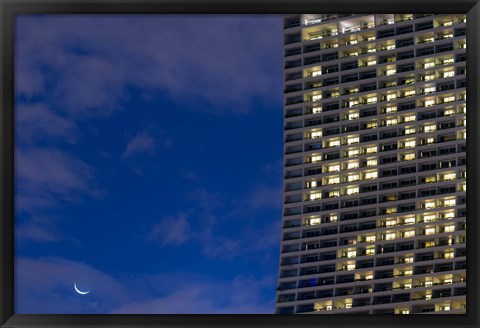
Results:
79 291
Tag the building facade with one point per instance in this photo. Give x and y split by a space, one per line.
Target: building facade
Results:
374 211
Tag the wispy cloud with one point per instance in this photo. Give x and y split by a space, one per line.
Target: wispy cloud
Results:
140 143
37 122
204 295
37 230
171 231
231 69
41 170
189 175
50 290
206 200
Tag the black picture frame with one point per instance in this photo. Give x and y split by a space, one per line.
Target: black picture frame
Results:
10 8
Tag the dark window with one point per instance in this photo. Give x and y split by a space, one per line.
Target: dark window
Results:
408 169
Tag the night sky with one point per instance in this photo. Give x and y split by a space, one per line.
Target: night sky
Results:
148 163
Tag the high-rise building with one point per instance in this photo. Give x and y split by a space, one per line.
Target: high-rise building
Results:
374 171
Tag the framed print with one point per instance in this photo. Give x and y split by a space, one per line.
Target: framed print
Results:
259 163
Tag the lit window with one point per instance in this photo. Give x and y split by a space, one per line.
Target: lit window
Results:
370 251
334 168
407 272
410 144
391 71
449 202
353 103
409 157
448 74
428 40
429 103
430 128
333 218
410 118
317 73
334 143
316 110
449 112
450 215
334 193
391 109
430 140
447 24
391 223
353 116
429 217
350 267
392 121
449 176
430 231
409 220
316 97
369 277
314 221
315 196
408 234
410 93
448 61
391 210
371 50
352 191
405 311
448 255
316 158
351 254
449 99
316 134
429 204
371 150
312 184
407 286
352 165
372 162
390 236
429 65
371 100
333 180
430 77
370 239
428 283
371 38
353 140
409 259
371 125
370 175
354 177
353 152
390 47
410 131
428 296
348 305
371 62
391 97
429 90
449 228
449 280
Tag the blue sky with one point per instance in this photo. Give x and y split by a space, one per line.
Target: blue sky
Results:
148 163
